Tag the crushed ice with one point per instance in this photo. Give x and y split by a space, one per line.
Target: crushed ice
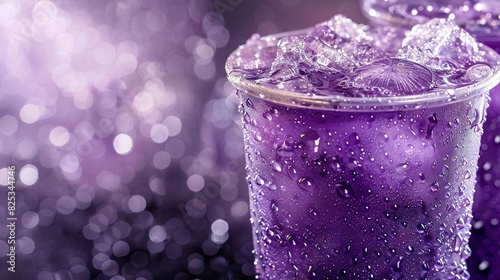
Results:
341 57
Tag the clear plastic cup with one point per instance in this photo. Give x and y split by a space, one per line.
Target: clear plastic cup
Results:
361 187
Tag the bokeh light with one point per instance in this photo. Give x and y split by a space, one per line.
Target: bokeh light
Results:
125 134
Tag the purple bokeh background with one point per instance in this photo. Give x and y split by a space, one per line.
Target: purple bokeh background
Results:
125 135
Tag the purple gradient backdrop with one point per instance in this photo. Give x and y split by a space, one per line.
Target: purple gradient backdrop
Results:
125 135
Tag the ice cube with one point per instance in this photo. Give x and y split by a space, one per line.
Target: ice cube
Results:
363 54
285 67
301 56
324 81
289 55
254 58
427 58
321 55
340 29
325 33
257 53
477 72
391 77
357 41
473 74
443 37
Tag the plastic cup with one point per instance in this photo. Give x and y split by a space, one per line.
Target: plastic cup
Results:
361 188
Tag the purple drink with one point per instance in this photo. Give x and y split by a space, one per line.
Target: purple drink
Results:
481 19
361 161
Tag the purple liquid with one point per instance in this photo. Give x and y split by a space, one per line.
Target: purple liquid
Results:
338 195
358 191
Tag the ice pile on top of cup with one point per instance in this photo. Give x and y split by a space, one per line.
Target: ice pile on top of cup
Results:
341 57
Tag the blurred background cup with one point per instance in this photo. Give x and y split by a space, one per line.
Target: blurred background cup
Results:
359 187
482 20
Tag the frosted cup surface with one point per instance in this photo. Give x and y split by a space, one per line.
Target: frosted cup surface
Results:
361 155
481 19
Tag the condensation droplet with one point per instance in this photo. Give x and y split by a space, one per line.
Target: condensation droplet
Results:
313 213
276 166
249 103
354 138
468 174
274 206
435 187
306 183
267 115
344 190
259 180
292 172
409 250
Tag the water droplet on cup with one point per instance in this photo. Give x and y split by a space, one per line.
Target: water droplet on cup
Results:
274 206
249 103
267 115
409 250
276 166
421 228
313 213
259 180
344 190
432 124
284 149
306 183
435 187
354 138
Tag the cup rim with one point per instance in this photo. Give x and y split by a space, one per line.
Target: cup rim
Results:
431 98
